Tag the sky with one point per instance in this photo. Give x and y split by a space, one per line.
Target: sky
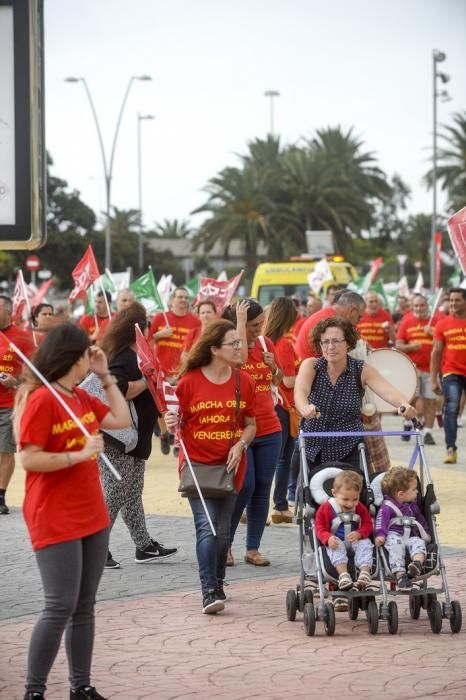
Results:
365 64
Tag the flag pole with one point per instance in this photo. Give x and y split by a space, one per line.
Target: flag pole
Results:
62 402
435 306
109 313
188 462
28 305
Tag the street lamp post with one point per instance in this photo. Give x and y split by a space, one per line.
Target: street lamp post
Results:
437 57
141 117
108 168
271 94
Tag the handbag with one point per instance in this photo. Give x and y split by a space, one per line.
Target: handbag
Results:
128 437
213 479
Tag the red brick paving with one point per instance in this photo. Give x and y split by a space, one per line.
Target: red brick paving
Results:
163 648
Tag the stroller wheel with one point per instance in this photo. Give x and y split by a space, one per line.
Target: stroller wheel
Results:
372 617
291 605
308 596
392 620
353 609
435 616
309 620
414 606
329 620
456 617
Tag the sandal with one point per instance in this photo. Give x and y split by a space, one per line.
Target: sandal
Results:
345 582
282 516
415 569
364 580
340 605
230 561
256 558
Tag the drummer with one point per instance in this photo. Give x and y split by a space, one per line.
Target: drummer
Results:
376 326
329 390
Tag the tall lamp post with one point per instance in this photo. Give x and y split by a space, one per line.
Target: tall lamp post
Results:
141 117
271 94
437 57
108 168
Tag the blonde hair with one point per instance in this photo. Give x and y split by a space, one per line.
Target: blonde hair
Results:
348 479
397 479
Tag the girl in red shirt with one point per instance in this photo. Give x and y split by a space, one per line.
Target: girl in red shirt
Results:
212 435
207 312
265 449
64 508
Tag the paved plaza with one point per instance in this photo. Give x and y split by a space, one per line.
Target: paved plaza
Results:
153 642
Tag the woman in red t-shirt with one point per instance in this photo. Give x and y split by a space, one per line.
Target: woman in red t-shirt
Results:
281 316
264 451
213 434
64 507
207 312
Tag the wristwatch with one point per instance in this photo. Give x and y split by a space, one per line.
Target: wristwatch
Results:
245 444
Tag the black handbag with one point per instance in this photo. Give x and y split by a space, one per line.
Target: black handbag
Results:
213 479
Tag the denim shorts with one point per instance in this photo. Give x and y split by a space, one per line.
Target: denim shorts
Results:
425 386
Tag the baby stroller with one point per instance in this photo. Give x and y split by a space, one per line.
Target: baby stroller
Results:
424 593
318 576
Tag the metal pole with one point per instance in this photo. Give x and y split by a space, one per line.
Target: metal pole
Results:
271 94
140 242
434 176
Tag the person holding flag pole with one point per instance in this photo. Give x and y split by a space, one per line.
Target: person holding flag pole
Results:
57 428
216 419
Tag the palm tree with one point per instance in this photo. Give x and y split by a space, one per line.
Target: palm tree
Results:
451 168
173 229
124 221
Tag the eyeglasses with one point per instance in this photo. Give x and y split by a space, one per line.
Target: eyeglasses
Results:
235 344
332 341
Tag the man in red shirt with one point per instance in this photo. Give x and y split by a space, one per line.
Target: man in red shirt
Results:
95 330
449 358
10 369
415 338
376 325
347 305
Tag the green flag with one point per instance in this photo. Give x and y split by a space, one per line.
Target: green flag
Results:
145 291
105 281
193 286
455 279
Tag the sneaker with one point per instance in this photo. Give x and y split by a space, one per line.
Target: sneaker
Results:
165 443
451 457
459 422
220 593
4 510
428 439
33 695
111 563
406 428
86 692
403 583
211 603
439 417
415 569
153 552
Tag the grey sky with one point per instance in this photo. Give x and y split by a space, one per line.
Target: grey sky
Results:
365 63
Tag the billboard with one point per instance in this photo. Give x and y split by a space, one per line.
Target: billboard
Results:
22 146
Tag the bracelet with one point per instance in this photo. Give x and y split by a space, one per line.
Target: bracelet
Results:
277 369
143 379
68 459
110 382
245 444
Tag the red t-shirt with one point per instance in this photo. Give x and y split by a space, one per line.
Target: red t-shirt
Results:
191 338
452 332
370 328
66 504
88 324
303 345
411 330
10 363
169 349
266 418
208 411
288 362
294 330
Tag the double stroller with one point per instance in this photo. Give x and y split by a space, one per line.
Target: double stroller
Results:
317 588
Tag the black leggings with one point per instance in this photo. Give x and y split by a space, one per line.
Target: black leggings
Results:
70 573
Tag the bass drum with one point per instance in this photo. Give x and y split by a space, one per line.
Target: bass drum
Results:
398 369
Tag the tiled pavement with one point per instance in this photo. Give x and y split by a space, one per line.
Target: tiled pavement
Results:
153 642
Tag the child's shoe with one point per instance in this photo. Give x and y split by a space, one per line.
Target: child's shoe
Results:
404 583
364 580
415 569
345 582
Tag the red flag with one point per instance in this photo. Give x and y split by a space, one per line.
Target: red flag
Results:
84 274
375 267
41 292
148 365
221 293
19 297
457 232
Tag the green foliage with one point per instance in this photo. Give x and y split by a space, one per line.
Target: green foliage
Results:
172 229
451 163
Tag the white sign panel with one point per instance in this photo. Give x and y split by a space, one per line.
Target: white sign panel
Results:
7 119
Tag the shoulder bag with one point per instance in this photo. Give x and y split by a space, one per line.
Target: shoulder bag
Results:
213 479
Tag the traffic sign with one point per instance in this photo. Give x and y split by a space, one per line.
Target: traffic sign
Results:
32 262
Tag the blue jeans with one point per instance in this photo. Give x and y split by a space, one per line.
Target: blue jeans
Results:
282 472
262 455
453 386
212 551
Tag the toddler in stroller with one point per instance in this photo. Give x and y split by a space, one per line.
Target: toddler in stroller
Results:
342 524
401 527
